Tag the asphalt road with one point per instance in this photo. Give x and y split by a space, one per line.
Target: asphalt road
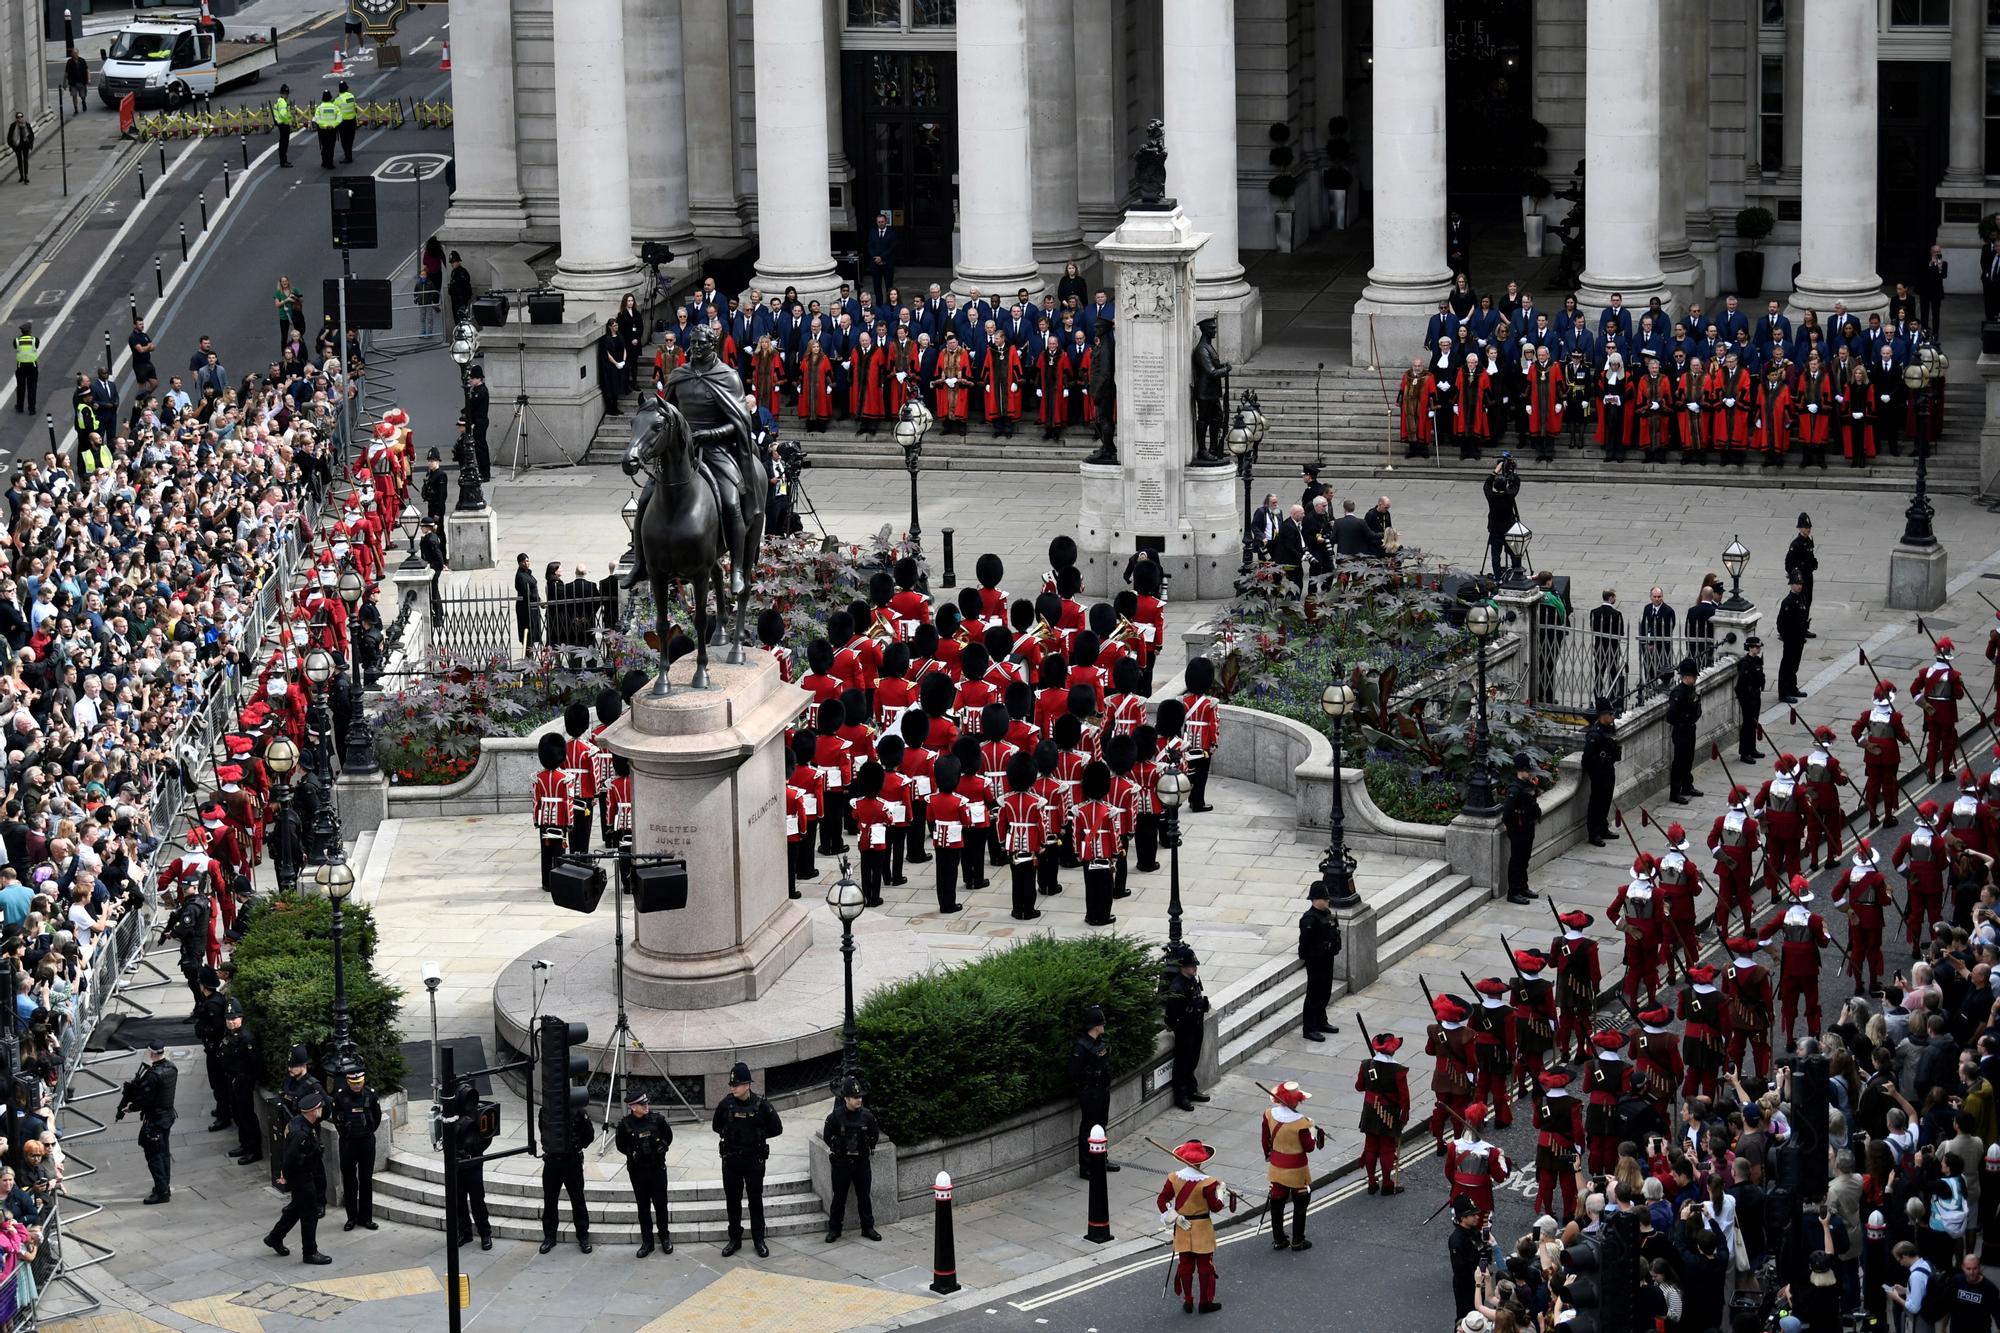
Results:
1376 1262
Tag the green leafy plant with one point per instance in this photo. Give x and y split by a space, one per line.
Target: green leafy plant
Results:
1020 1009
1754 224
1283 185
284 979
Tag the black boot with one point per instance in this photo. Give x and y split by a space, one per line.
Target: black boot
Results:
1278 1241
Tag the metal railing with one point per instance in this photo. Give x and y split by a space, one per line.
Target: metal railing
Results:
1570 666
479 627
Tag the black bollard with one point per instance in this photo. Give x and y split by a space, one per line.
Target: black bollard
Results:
944 1258
244 140
107 351
1098 1228
950 579
184 240
50 417
203 196
142 181
159 276
225 180
163 160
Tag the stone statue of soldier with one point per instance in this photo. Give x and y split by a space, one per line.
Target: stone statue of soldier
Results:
1209 374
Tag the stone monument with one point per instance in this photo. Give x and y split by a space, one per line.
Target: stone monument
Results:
1152 496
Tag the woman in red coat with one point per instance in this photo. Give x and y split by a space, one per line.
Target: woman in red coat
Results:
1774 417
1474 407
1857 418
867 399
954 384
815 386
1051 381
1812 402
1001 378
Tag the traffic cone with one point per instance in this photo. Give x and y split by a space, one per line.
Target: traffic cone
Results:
339 64
444 65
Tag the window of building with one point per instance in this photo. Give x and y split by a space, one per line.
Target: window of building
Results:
1771 114
902 15
1774 13
1919 13
1993 117
1993 13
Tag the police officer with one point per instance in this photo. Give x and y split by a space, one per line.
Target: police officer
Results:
644 1137
304 1173
564 1171
1749 699
1186 1010
27 368
150 1092
745 1123
1794 622
436 492
298 1083
1519 814
245 1065
1319 945
357 1114
478 414
851 1133
326 122
350 114
211 1029
1683 714
1090 1075
472 1204
1601 753
281 118
189 925
1801 559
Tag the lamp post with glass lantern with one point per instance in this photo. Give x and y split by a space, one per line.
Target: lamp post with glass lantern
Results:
629 513
411 522
1336 869
319 667
352 589
465 350
1481 620
1735 557
1243 439
1171 788
1517 540
1928 368
336 881
846 901
281 757
912 424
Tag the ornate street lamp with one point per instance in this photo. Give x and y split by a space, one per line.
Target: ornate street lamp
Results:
1336 869
1735 557
1171 788
1245 435
281 756
1928 369
319 667
629 512
336 881
1482 620
411 523
465 351
1517 541
912 424
845 900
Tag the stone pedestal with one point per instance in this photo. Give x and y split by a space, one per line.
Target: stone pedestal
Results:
1360 948
1152 495
414 582
1958 232
557 363
1742 623
1476 845
1989 426
881 1182
471 536
1917 578
360 802
708 787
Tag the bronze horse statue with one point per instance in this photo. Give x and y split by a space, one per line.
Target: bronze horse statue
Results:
681 534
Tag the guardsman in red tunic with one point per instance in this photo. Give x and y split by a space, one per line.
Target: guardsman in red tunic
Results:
1558 1133
1937 690
980 810
1821 775
1202 728
1472 1166
1578 975
1747 1004
1534 1017
1125 707
580 763
811 785
1094 835
1656 1060
1700 1012
1863 893
1604 1080
1000 380
894 694
1967 819
1920 859
1799 934
610 706
899 796
1120 755
1187 1202
946 810
1881 732
1384 1085
1022 824
871 827
551 802
953 385
815 386
1449 1041
1780 807
1678 881
1492 1026
1636 911
1289 1137
1734 839
618 801
920 767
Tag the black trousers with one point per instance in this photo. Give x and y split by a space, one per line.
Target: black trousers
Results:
1097 886
153 1141
26 378
357 1177
1746 725
741 1178
1683 760
218 1085
1093 1107
831 818
1319 990
243 1110
1187 1054
803 864
649 1192
579 830
551 848
1597 820
1198 783
1519 848
472 1202
1147 834
874 872
479 452
1048 871
1022 874
284 145
560 1172
1788 666
858 1174
948 859
347 128
325 147
302 1209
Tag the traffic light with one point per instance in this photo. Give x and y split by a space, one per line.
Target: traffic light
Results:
565 1075
1618 1270
476 1122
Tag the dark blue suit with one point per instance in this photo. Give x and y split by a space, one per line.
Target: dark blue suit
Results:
1768 332
880 248
1619 319
1729 323
1444 324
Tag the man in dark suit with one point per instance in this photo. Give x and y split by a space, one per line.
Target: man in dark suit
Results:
1350 534
1289 550
1265 522
1989 278
478 413
881 250
527 602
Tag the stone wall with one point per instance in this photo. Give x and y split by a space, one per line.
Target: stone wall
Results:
498 783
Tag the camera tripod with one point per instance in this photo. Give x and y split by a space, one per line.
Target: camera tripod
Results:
524 412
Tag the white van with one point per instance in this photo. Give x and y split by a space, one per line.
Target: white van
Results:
169 63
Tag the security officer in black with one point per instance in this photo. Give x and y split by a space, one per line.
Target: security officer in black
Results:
1794 618
1749 699
188 924
644 1137
1186 1011
1090 1075
357 1114
150 1092
298 1082
436 492
303 1172
1319 945
851 1134
1601 753
245 1065
1519 815
211 1029
1801 560
478 413
745 1123
1683 715
564 1171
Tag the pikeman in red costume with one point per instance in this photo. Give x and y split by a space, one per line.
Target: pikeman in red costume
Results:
1492 1025
1920 859
1289 1137
1734 838
1822 776
1384 1085
1558 1134
1937 690
1863 893
1678 881
1700 1012
1605 1081
1780 808
1472 1166
1578 975
1636 912
1188 1202
1747 1004
1969 820
1657 1068
1799 934
1449 1041
552 802
1534 1016
1882 725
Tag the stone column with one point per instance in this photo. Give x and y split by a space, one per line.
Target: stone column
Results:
593 171
839 171
1682 271
995 249
1052 135
1694 189
1794 134
1409 276
656 119
1099 161
1621 151
1197 46
487 207
1967 153
794 220
710 98
1836 239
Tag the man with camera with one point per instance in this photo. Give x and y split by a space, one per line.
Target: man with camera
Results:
150 1092
1470 1246
1502 488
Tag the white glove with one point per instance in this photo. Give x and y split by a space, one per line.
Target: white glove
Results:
1813 408
1729 402
1167 1216
1655 405
1885 397
1857 416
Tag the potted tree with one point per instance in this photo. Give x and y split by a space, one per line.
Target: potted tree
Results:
1534 156
1283 186
1752 226
1339 176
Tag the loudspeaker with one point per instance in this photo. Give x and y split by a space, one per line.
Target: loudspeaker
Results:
1618 1270
354 212
370 302
489 311
660 888
1809 1126
577 887
545 308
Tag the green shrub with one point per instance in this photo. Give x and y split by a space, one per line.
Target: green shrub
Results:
1402 792
284 978
956 1049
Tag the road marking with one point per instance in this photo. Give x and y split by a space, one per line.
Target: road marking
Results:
412 167
51 296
